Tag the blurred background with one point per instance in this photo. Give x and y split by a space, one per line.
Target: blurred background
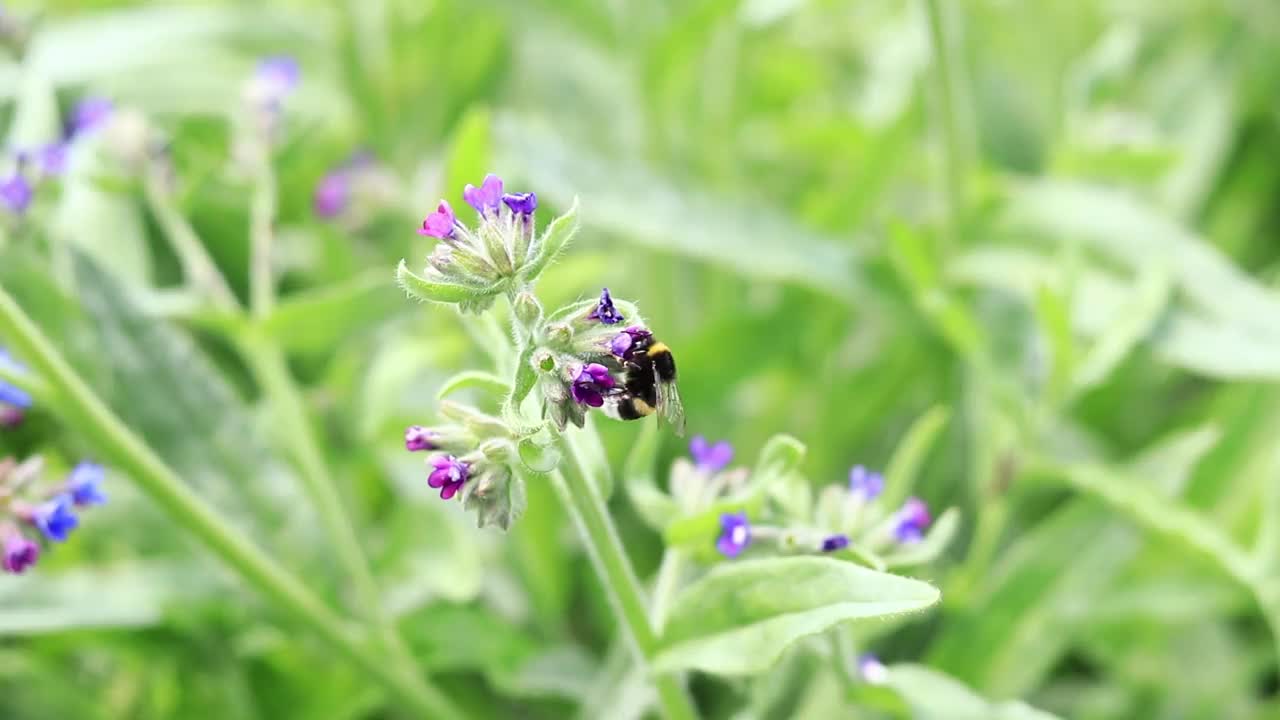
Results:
1056 220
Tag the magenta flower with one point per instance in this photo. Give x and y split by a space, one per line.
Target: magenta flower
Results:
710 458
487 198
735 534
417 437
441 223
20 552
332 194
591 383
604 310
912 520
449 475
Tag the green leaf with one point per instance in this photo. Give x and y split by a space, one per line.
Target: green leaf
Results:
1053 313
437 290
630 202
741 617
540 457
932 695
908 457
916 264
656 507
474 379
781 454
1136 501
1132 324
319 320
553 241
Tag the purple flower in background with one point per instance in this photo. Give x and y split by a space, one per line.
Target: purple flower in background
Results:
52 159
55 519
276 77
835 542
487 198
85 484
521 203
604 310
20 552
872 670
735 534
439 224
912 520
623 342
417 437
590 384
449 475
866 483
332 193
93 112
16 193
710 458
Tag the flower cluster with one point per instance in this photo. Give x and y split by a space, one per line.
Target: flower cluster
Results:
471 458
844 516
29 166
33 513
14 401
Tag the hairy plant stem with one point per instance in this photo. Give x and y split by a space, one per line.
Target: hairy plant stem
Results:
82 409
583 500
665 586
197 267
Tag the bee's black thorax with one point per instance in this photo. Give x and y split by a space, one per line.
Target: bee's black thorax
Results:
664 363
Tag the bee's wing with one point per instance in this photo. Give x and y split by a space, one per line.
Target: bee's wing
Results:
670 409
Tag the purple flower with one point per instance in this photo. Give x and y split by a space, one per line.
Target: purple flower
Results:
20 552
332 194
15 193
417 437
866 483
735 534
85 484
10 416
710 458
52 159
277 76
835 542
55 519
604 310
93 112
487 198
439 224
912 520
449 475
521 203
591 383
623 342
872 670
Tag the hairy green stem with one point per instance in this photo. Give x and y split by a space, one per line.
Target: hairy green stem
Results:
666 585
198 268
583 500
83 409
268 365
262 216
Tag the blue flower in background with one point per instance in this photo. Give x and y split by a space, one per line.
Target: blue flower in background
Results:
710 458
16 193
866 483
9 394
735 534
85 484
55 519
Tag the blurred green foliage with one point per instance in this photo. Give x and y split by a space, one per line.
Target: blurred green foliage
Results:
1056 219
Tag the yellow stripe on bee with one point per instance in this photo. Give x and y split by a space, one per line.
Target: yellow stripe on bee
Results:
642 407
658 348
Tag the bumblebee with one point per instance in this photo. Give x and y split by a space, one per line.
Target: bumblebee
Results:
649 380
